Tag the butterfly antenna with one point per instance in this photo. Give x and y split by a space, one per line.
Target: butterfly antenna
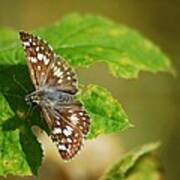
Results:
19 84
30 110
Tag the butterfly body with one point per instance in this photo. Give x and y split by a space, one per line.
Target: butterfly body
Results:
55 89
49 96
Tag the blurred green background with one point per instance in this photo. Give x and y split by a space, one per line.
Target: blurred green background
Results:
152 101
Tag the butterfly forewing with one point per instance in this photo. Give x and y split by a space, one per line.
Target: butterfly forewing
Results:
62 76
39 56
45 67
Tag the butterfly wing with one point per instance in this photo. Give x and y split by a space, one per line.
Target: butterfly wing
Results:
62 76
69 127
39 57
77 116
45 67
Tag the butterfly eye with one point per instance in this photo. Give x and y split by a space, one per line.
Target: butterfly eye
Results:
32 99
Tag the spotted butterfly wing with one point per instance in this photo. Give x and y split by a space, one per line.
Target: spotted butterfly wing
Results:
39 57
69 123
62 76
70 126
45 66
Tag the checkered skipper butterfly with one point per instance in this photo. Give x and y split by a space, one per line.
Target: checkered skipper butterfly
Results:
55 86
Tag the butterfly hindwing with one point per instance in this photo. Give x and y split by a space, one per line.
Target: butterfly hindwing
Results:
68 139
68 128
77 116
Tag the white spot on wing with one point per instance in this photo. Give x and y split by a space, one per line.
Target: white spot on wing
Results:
60 81
43 73
57 131
67 132
74 119
58 63
58 123
69 128
33 59
76 135
69 140
46 60
62 147
40 56
26 44
57 71
54 68
70 111
60 73
84 118
81 113
37 49
39 68
69 78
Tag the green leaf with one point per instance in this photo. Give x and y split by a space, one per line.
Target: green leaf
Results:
10 50
12 158
20 152
139 164
84 40
106 113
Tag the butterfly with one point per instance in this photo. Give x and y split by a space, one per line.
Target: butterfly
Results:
55 84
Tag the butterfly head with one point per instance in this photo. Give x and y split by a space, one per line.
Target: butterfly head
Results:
32 99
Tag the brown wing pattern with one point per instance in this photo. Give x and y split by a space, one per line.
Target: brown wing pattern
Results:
62 76
45 67
69 127
39 56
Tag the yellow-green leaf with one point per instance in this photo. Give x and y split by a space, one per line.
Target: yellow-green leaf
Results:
84 40
139 164
106 113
